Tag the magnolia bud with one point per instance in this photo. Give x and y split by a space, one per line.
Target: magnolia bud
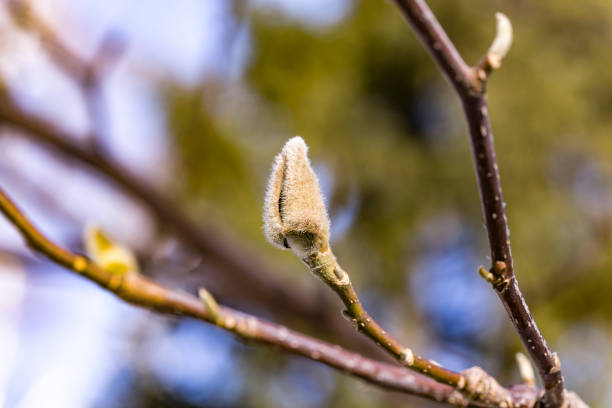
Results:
294 211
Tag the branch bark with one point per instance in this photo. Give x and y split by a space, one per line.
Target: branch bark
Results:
140 291
470 86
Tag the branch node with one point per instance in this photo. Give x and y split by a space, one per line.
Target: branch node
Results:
495 276
481 387
80 264
499 267
486 275
407 357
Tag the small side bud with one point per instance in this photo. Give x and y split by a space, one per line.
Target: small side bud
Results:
108 254
211 305
294 211
502 41
525 369
407 357
499 267
486 275
557 367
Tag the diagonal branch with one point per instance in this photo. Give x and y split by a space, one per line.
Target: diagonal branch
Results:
140 291
469 84
238 264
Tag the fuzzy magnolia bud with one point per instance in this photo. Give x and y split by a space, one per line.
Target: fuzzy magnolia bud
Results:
294 211
108 254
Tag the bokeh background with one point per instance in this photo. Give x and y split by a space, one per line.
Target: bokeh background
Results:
198 102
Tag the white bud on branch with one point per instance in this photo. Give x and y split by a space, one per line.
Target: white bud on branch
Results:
502 41
294 210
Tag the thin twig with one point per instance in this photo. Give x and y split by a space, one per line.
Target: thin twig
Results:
469 84
140 291
325 265
474 383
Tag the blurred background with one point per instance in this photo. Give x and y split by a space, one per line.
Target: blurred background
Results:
190 101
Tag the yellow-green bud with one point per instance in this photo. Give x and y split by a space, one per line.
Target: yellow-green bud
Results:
108 254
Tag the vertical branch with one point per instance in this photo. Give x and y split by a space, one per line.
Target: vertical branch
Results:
470 85
505 283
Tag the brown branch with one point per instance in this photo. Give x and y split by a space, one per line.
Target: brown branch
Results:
469 84
140 291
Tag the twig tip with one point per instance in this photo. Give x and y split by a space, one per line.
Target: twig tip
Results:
502 41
